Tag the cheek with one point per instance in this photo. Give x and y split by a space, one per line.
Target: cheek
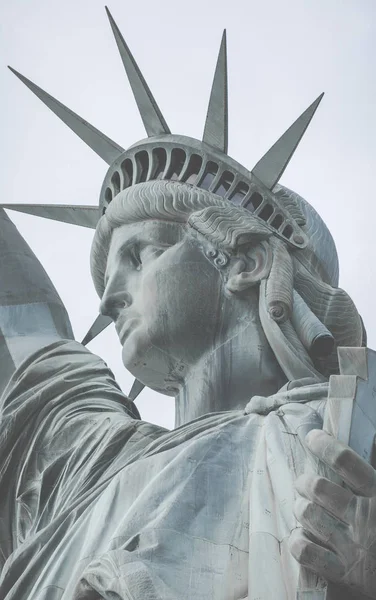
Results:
182 298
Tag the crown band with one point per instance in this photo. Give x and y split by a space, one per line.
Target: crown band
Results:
191 162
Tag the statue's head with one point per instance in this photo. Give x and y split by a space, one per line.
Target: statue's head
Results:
191 246
181 270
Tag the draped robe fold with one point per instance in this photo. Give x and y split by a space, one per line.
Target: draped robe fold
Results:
96 503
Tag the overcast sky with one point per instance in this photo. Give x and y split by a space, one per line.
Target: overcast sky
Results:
281 55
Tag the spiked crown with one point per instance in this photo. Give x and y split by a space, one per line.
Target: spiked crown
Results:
162 155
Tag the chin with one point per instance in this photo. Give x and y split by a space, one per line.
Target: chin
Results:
148 364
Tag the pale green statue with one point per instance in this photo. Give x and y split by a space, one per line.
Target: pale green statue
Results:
223 288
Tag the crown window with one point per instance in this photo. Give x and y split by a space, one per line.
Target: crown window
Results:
287 232
193 169
115 180
277 221
239 193
142 162
159 163
266 212
254 201
176 164
108 195
127 171
210 172
224 183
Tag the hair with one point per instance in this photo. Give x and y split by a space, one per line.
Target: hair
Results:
301 292
225 225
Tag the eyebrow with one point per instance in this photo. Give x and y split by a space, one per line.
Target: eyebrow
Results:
150 234
132 240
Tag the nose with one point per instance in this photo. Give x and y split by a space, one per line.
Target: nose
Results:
113 302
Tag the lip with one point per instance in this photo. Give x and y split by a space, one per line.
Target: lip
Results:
125 328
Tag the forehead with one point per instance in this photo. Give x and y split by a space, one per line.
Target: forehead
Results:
165 232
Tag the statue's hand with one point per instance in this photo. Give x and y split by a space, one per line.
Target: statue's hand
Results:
338 539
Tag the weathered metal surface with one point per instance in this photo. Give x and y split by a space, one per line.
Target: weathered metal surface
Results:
85 216
351 409
271 166
151 115
216 125
99 325
100 143
194 259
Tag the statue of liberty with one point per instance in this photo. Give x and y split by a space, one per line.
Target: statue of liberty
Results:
223 286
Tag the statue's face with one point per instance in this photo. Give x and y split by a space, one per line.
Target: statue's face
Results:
165 298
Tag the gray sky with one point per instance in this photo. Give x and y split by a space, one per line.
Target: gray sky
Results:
281 55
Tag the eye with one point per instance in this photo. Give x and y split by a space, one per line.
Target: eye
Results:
139 254
135 256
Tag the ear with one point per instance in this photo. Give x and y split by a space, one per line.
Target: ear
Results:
249 267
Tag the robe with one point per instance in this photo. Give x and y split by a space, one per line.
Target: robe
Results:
97 504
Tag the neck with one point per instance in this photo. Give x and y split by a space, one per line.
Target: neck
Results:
229 375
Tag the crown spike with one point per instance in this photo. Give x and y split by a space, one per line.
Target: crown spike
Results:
99 325
100 143
85 216
136 390
216 125
151 115
272 165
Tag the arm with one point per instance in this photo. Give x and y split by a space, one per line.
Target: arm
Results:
31 313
